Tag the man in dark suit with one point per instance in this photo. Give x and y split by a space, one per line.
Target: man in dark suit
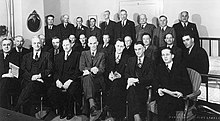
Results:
94 30
172 82
139 74
56 48
195 57
115 80
151 50
76 45
106 47
160 32
19 49
65 28
144 27
129 47
66 78
83 43
108 27
50 30
183 27
125 27
92 64
37 67
169 39
80 28
8 82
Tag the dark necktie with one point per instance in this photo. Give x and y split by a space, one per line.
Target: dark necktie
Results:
142 26
93 55
6 56
167 68
184 25
162 30
139 63
117 59
36 56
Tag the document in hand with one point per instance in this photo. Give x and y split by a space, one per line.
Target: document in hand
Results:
15 69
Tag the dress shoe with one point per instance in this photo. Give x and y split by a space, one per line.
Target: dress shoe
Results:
69 116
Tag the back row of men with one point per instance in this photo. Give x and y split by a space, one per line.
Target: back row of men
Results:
112 68
121 29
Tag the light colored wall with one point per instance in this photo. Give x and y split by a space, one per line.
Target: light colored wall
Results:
3 12
53 7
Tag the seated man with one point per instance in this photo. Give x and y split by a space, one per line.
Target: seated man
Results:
129 48
37 67
8 82
139 74
195 57
115 67
92 64
56 49
106 47
83 43
172 82
66 79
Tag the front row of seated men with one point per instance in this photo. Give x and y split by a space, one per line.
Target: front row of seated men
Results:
120 76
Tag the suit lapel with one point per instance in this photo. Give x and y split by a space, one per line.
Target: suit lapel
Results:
41 59
96 58
89 57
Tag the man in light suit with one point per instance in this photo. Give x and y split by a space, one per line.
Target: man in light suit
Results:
160 32
144 27
183 27
92 64
125 27
108 27
65 28
37 67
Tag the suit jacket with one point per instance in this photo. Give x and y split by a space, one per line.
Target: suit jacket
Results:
86 62
72 72
76 47
81 48
127 30
20 54
180 31
49 34
107 50
64 33
159 35
151 52
95 32
175 80
109 29
45 65
197 60
52 55
129 51
149 28
82 30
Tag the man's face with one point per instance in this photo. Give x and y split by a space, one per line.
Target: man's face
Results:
92 23
50 20
188 41
36 44
163 22
42 38
79 22
146 40
184 17
19 42
167 56
106 15
106 39
143 19
119 47
65 18
123 15
67 46
93 43
6 46
72 38
56 43
139 50
82 39
169 39
128 41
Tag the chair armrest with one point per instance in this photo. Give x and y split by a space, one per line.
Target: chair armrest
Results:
193 95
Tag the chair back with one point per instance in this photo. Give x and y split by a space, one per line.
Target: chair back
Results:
195 78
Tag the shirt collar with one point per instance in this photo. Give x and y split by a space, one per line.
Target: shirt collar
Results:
105 45
93 52
183 23
142 59
18 49
190 49
170 46
38 53
169 65
164 28
5 54
68 52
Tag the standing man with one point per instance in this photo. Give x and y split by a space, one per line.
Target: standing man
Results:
65 28
161 31
139 74
37 67
8 82
183 27
106 47
50 30
94 30
80 28
83 43
56 48
92 64
125 27
144 27
108 27
66 78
